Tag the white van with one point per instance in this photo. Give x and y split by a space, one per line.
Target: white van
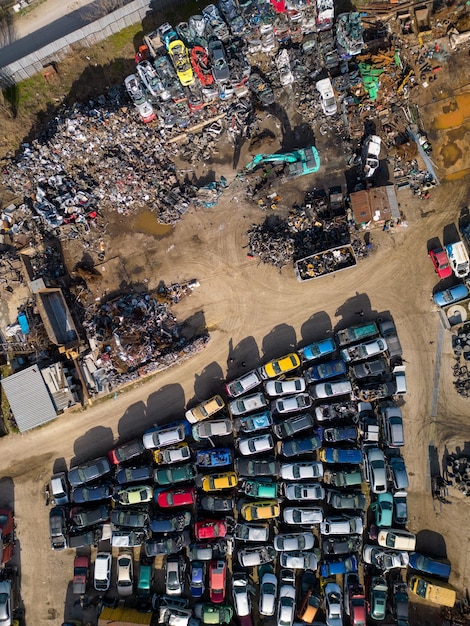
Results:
102 576
327 95
458 259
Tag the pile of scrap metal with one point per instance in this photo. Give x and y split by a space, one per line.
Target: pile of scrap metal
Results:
133 331
458 468
324 263
281 241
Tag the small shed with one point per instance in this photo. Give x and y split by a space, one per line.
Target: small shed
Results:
29 398
121 616
375 206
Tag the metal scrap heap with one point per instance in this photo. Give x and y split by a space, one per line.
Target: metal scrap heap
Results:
97 157
281 241
136 333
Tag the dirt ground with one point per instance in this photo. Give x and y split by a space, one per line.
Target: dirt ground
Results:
255 312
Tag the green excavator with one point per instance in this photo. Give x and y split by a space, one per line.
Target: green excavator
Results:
298 162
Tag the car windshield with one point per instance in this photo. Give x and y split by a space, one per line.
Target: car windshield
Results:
276 367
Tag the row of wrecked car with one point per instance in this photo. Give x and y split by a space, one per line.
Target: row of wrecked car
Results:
206 58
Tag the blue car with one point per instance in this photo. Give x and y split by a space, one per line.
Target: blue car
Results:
294 447
451 295
383 508
255 422
217 457
170 523
318 350
136 474
429 565
349 456
340 565
324 371
94 493
196 579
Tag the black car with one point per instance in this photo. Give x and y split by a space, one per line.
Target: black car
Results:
168 544
129 518
81 517
258 467
92 493
215 503
341 545
170 523
89 472
58 528
137 474
126 451
85 538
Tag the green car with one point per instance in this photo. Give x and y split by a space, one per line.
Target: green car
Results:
216 614
378 598
176 474
144 584
260 488
383 508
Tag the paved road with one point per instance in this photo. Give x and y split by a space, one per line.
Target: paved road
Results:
43 25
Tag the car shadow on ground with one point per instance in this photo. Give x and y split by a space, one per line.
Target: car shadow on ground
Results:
208 383
316 327
242 358
281 340
94 443
450 234
165 405
355 310
432 543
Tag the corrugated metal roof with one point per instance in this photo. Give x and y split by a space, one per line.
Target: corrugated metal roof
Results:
29 398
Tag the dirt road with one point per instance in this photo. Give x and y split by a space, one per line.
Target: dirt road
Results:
253 312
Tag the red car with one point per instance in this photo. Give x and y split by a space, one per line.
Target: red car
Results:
441 262
217 579
81 567
170 498
210 529
357 607
200 65
7 538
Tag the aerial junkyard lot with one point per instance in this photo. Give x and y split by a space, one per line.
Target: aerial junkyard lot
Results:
102 213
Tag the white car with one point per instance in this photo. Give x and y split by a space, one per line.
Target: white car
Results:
293 541
247 404
102 574
162 436
286 605
342 525
374 470
289 404
370 154
174 575
327 96
333 605
242 385
302 515
125 572
255 445
304 491
302 470
329 389
240 594
252 532
298 560
212 428
267 592
5 603
285 387
397 539
383 559
364 351
146 111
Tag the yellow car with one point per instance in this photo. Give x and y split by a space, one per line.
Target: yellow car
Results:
262 509
214 482
178 453
180 59
280 366
206 409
